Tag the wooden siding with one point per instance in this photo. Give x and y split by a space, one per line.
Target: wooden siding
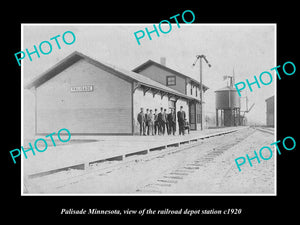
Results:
105 110
160 75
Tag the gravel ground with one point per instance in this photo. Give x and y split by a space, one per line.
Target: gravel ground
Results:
216 175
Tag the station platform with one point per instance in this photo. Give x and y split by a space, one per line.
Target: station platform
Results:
82 151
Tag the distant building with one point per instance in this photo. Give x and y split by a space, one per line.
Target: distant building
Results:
270 111
89 97
179 82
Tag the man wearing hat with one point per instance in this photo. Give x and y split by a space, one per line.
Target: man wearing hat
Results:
141 120
181 119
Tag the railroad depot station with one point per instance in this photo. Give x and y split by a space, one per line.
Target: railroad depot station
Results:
98 104
89 97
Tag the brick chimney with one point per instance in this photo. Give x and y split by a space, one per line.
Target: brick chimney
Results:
163 61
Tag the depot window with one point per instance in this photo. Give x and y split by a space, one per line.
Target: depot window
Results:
171 80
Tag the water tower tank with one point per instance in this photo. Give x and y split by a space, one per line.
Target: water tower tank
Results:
227 98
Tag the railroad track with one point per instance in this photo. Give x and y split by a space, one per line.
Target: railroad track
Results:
166 179
265 130
173 177
179 173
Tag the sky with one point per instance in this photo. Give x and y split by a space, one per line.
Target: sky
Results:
246 49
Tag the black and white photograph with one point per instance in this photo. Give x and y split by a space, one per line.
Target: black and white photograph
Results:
149 117
149 111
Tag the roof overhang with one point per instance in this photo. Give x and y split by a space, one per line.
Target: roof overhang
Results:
151 62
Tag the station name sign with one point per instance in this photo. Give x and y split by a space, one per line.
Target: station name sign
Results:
82 88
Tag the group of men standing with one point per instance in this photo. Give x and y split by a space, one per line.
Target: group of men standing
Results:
162 122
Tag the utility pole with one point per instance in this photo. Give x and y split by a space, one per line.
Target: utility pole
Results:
201 85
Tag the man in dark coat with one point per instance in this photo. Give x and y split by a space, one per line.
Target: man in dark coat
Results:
156 122
181 119
141 120
166 120
161 121
172 122
147 122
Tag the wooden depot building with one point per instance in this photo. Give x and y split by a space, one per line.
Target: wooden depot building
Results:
179 82
89 97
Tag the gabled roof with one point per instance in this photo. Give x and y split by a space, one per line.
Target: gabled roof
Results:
122 73
151 62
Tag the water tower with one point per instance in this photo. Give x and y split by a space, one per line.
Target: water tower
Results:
228 105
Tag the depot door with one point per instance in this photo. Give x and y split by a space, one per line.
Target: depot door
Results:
192 115
172 105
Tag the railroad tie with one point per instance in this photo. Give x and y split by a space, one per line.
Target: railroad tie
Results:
168 181
173 177
162 184
182 171
178 173
191 167
149 189
194 164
